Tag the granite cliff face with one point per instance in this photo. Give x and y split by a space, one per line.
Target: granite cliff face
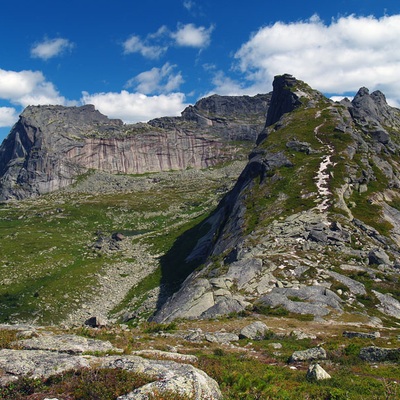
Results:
50 146
312 224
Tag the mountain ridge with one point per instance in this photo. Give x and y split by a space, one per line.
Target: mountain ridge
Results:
51 146
315 161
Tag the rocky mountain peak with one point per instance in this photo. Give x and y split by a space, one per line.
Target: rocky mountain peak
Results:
315 203
372 108
284 98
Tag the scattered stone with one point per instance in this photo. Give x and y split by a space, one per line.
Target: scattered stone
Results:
299 335
221 337
378 257
315 353
96 322
389 305
194 335
379 354
117 236
316 373
276 346
362 335
303 147
255 331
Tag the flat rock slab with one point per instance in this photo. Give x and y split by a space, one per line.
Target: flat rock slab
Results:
362 335
167 355
37 363
71 344
389 305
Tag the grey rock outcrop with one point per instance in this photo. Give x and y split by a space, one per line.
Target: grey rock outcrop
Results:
388 304
221 337
379 354
37 363
315 353
316 300
70 344
362 335
284 99
183 379
255 331
60 356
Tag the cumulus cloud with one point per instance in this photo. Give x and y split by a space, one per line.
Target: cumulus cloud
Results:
225 85
338 57
191 36
136 107
8 116
28 88
135 44
50 48
161 80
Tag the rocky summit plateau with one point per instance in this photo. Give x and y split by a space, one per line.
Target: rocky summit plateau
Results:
256 238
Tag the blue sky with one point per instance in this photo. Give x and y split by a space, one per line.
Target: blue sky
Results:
138 60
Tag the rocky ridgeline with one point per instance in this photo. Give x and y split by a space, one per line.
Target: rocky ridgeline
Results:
312 223
50 146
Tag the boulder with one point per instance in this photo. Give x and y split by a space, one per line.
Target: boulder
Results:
315 353
96 322
299 335
379 354
316 373
221 337
388 304
183 379
378 257
255 331
362 335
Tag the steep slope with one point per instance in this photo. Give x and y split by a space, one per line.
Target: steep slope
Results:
51 146
312 224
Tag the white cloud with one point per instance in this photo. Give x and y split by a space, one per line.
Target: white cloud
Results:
339 57
136 107
135 44
50 48
8 116
191 36
161 80
28 88
188 4
224 85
